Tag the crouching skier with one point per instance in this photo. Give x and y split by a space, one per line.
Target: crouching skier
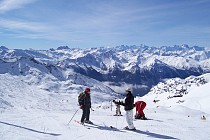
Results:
140 105
85 104
128 106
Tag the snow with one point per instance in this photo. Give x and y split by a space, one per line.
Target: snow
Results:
38 94
126 57
174 61
199 98
28 112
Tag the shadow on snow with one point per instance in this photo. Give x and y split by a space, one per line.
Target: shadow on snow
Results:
33 130
154 135
150 134
103 127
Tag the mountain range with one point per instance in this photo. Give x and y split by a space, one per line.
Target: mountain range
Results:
141 67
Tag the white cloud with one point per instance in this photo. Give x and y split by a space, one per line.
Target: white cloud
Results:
23 25
8 5
34 30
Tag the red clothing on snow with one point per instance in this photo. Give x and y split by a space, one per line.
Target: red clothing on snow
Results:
140 105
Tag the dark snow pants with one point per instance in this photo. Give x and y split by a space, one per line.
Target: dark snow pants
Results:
85 114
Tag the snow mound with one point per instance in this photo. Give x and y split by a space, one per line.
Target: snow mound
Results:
192 92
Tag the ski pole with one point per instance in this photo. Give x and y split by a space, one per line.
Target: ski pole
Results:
73 116
111 105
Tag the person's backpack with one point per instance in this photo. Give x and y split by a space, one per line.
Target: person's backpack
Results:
81 97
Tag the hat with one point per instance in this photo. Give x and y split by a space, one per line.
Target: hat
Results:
128 89
87 89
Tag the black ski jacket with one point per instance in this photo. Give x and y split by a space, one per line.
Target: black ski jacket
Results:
85 100
129 100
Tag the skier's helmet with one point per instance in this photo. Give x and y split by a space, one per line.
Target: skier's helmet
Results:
87 89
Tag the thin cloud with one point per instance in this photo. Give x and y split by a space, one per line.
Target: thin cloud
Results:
23 25
8 5
34 30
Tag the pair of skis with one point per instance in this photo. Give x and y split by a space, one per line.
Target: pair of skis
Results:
112 127
86 126
126 128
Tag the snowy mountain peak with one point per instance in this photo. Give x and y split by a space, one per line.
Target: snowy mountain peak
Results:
142 65
63 48
3 48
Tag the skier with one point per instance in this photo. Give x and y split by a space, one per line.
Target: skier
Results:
85 104
128 103
118 112
140 105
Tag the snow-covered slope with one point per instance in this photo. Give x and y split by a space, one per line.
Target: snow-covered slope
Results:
39 90
38 111
35 92
192 92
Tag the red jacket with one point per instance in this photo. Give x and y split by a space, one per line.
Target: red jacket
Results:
140 105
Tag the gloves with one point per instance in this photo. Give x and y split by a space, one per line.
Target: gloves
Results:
81 107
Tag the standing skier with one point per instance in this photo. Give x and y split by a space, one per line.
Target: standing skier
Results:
140 105
85 104
128 106
118 112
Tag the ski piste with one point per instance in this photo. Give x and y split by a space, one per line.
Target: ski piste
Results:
81 124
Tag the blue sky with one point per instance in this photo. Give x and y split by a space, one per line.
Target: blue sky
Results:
44 24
